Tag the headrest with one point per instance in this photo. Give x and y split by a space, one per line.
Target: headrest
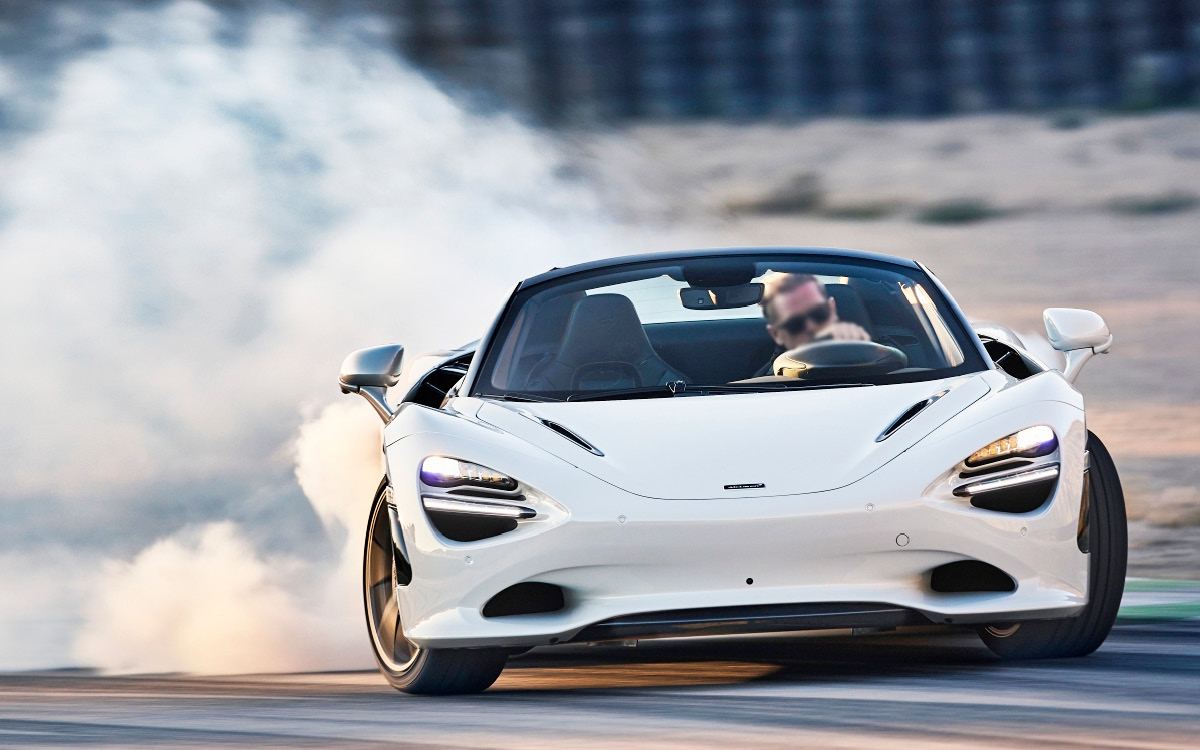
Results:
850 307
604 328
550 322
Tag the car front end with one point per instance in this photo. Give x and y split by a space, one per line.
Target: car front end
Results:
612 562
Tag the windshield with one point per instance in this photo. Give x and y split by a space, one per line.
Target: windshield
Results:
723 324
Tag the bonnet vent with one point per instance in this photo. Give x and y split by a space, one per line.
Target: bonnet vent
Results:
908 416
572 437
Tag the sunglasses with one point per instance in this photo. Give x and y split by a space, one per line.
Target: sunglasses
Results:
797 324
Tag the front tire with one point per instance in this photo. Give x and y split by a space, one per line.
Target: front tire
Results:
408 668
1108 544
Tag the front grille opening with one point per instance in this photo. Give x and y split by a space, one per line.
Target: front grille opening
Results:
967 576
529 598
466 527
1023 498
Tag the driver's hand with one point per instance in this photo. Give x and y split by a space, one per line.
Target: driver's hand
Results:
842 331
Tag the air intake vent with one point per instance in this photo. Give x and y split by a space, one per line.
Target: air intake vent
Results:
528 598
908 415
1020 492
966 576
997 468
463 527
572 437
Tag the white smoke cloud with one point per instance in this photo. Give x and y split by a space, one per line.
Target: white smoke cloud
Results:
339 463
203 229
206 601
202 601
209 214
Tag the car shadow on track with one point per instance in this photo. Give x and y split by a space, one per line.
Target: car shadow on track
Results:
730 661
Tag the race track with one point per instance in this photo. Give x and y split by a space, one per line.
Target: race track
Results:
909 690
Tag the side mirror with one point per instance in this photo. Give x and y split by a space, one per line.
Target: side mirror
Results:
1070 329
370 372
1079 333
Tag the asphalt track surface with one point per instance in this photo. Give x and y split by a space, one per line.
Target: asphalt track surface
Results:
898 690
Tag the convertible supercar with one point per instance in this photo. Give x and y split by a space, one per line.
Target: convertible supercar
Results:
735 441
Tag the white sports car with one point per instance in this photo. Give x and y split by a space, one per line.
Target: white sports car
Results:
734 441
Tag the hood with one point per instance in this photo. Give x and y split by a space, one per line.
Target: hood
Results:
696 447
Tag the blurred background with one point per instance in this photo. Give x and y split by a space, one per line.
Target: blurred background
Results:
205 205
589 60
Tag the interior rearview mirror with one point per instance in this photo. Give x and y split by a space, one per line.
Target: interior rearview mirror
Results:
370 372
721 297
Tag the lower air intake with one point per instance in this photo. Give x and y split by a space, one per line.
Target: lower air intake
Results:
969 576
1025 498
464 527
525 599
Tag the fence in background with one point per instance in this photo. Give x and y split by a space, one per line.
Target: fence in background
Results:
589 60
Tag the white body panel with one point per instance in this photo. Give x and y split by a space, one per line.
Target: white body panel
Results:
649 526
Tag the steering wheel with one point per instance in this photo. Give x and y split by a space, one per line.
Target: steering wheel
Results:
832 360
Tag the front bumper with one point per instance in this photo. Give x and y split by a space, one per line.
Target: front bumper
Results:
620 557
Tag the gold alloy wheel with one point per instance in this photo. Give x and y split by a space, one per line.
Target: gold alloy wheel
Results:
380 580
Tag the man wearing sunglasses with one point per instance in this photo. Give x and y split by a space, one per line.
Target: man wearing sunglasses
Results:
798 312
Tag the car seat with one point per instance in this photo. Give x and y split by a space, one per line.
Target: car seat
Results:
604 347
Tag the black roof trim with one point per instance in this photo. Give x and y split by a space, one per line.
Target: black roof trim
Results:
828 252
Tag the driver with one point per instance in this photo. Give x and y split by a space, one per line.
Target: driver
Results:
798 312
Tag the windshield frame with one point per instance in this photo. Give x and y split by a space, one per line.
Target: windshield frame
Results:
975 358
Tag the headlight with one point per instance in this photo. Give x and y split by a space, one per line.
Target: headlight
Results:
440 471
1032 441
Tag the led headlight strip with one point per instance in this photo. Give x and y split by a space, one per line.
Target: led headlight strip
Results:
1032 476
1030 442
456 504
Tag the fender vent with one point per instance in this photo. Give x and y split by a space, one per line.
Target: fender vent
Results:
1007 358
529 598
563 431
434 388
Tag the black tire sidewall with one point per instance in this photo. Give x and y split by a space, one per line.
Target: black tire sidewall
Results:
433 671
1107 557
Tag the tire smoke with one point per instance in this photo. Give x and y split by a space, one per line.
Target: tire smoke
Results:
202 212
206 601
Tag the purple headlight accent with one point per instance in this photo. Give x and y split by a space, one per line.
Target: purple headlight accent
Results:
437 476
440 471
1046 446
1036 441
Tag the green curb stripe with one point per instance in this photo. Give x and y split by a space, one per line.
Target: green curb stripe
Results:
1176 611
1138 585
1176 600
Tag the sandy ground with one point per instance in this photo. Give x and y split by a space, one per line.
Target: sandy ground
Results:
933 690
1062 236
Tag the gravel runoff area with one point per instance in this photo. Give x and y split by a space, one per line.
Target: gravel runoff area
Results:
1014 213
